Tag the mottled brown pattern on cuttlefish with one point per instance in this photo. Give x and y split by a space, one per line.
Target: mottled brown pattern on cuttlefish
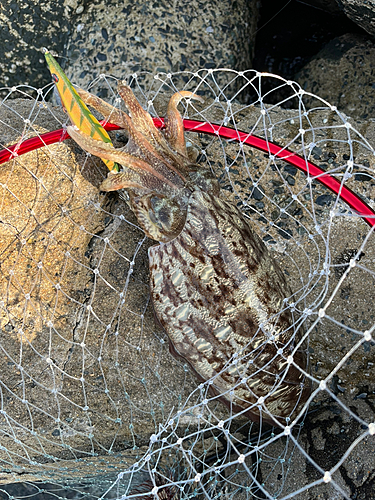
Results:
206 334
216 289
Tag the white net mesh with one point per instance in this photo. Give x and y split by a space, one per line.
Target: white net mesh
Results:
92 403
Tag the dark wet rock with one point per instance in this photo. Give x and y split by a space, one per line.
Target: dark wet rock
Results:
362 12
26 27
290 36
290 169
324 199
343 74
290 180
363 177
257 194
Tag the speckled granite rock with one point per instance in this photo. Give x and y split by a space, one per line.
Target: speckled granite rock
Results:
122 38
26 26
343 73
105 36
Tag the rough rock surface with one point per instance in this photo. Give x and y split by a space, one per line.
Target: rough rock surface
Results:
343 73
120 39
362 12
26 27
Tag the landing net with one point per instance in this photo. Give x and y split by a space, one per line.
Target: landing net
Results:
92 404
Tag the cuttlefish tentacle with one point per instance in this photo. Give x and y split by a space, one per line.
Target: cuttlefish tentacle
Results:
151 160
137 144
141 119
121 180
131 179
110 113
108 152
174 127
143 123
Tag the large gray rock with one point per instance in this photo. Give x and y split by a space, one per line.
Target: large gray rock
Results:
85 366
123 38
343 73
105 36
26 27
362 12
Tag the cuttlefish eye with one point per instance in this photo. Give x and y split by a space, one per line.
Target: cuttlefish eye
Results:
55 78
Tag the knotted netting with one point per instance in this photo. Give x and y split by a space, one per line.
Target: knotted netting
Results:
92 403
